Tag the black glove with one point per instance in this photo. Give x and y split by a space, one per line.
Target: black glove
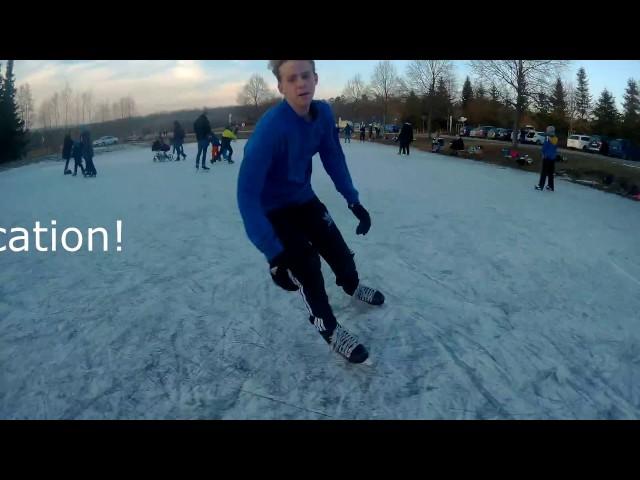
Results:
280 272
362 215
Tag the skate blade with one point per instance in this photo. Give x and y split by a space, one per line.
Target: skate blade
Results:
368 362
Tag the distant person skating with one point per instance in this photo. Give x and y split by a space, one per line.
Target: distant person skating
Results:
282 215
457 145
362 132
178 141
67 145
215 148
87 153
405 138
348 130
549 154
76 152
371 132
202 129
226 150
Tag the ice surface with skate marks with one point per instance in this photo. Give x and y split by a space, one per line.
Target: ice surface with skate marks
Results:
501 301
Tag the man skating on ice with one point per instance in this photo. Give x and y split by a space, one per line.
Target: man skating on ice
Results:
549 154
348 130
282 215
202 129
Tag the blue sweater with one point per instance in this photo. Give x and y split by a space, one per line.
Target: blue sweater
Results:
550 148
276 168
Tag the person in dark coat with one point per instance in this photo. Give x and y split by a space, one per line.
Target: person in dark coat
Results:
178 141
348 130
405 138
457 145
67 144
76 152
202 129
87 153
362 132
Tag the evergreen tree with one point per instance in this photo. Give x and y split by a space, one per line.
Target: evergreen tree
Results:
480 91
583 99
606 116
558 103
631 114
442 104
12 135
494 94
558 100
467 94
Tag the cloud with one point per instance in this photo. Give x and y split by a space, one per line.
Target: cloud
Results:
154 84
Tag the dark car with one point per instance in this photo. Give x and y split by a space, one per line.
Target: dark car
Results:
508 134
503 133
625 149
599 144
391 128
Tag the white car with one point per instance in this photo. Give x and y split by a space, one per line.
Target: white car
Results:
535 137
104 141
579 142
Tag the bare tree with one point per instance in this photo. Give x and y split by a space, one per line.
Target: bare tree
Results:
20 101
87 106
104 112
25 105
115 110
45 114
55 109
524 80
122 107
385 84
255 92
129 105
77 108
65 100
423 76
355 89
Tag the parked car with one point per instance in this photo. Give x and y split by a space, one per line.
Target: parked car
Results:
500 134
481 131
104 141
599 144
506 134
492 133
391 128
535 137
578 141
625 149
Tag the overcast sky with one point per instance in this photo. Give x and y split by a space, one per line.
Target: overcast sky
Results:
158 85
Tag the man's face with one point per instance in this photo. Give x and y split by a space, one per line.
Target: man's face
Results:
298 84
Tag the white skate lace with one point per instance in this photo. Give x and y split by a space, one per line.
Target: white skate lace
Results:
365 293
343 342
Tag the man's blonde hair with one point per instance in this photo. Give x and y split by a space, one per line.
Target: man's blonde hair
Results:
274 66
